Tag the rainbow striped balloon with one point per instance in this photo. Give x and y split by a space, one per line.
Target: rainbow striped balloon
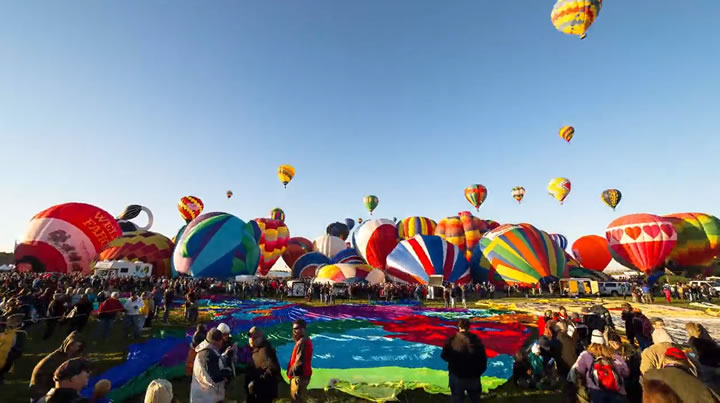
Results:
411 226
348 273
416 259
567 132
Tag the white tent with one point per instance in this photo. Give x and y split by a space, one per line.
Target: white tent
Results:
279 270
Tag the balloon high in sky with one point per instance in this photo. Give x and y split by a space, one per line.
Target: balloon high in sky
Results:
360 98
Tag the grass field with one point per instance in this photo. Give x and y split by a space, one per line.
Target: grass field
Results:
114 351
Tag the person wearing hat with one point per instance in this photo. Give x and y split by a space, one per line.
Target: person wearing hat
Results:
652 357
679 374
598 365
41 379
263 370
70 379
210 370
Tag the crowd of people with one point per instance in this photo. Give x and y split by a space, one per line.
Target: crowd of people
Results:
584 355
580 353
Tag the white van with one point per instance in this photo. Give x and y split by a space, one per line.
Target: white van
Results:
122 268
614 289
713 284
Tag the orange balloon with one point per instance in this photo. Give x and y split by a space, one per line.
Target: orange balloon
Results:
592 252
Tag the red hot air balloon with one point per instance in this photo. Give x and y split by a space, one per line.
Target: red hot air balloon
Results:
591 252
641 241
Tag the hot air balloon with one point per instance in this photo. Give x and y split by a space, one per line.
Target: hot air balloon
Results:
567 132
273 241
350 223
560 240
229 194
371 202
297 246
591 252
143 246
349 273
559 188
476 195
463 230
518 192
130 212
217 245
360 221
574 17
611 197
190 207
521 253
641 241
414 260
66 238
338 229
348 255
411 226
374 240
285 174
698 241
308 264
328 245
277 214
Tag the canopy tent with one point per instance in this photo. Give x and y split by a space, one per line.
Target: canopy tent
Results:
279 270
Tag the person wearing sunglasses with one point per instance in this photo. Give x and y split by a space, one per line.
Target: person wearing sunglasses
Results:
300 366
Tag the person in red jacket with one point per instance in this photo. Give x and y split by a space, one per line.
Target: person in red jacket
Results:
300 366
107 312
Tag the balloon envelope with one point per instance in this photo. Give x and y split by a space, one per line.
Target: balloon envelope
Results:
277 214
348 255
328 245
350 223
414 260
411 226
374 240
349 274
308 264
698 241
559 188
574 17
144 246
641 241
190 207
67 237
592 252
273 241
464 230
217 245
521 253
338 229
560 240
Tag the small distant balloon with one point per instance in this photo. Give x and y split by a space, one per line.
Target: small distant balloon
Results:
476 195
611 197
285 173
229 194
559 188
518 192
190 207
277 214
371 202
567 133
574 17
350 223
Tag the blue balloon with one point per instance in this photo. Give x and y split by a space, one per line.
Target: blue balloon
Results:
350 223
307 265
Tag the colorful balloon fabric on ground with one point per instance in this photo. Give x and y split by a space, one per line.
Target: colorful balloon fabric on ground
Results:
371 202
144 246
190 207
374 240
414 260
611 197
411 226
328 245
560 240
574 17
592 252
476 195
521 253
567 132
698 241
349 273
217 245
518 192
308 264
66 238
559 188
277 214
641 241
338 229
285 173
273 241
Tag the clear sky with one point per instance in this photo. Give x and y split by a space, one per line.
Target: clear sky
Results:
120 102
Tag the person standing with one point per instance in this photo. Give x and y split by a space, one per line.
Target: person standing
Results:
210 370
80 314
148 309
168 298
300 366
263 371
56 310
467 361
133 319
107 312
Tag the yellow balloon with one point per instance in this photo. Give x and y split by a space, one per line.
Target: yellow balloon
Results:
285 173
559 188
574 17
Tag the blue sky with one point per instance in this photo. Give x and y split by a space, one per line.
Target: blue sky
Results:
113 103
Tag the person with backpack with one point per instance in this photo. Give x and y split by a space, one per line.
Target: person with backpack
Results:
602 370
642 329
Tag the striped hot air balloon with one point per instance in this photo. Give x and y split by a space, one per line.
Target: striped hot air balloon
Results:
411 226
190 207
641 241
308 264
559 188
374 240
414 260
143 246
349 273
574 17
